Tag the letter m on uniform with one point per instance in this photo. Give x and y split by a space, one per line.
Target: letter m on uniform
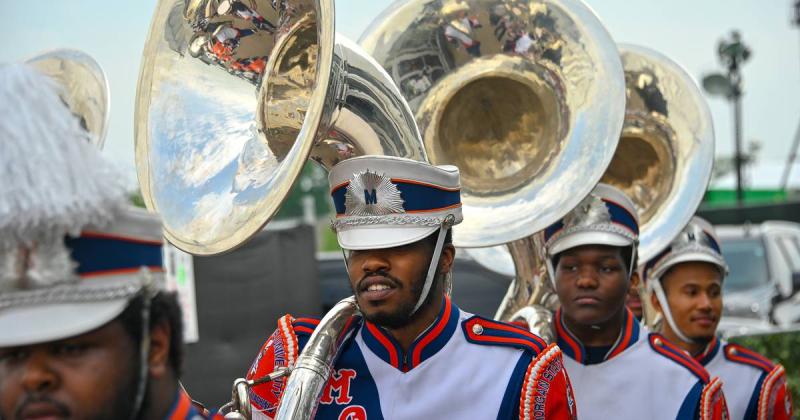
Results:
339 382
371 197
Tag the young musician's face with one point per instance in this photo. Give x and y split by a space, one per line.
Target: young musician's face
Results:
90 376
694 293
591 283
388 282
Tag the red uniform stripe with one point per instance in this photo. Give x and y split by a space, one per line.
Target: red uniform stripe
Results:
564 334
626 339
343 184
307 320
751 362
677 355
91 234
435 332
120 271
750 353
394 359
424 184
714 343
515 329
682 361
347 327
510 340
182 409
303 330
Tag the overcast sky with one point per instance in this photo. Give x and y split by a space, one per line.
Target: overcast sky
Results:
685 30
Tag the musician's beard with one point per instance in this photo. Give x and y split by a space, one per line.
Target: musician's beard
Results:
403 316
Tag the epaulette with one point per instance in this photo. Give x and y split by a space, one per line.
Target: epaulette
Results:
712 401
663 347
546 373
304 327
480 330
775 399
738 354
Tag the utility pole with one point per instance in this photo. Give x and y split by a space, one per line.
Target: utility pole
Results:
732 54
787 170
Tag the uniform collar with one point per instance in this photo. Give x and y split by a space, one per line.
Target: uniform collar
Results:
383 345
182 407
710 351
573 348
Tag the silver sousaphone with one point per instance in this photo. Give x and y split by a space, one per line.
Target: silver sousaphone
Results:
526 98
82 86
666 153
664 158
233 98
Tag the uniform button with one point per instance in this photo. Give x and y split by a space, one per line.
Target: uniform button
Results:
658 342
477 329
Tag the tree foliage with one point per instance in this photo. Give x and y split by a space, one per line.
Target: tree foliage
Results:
783 348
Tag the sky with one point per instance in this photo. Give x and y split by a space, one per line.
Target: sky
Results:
687 31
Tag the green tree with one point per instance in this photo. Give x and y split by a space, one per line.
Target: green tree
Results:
781 348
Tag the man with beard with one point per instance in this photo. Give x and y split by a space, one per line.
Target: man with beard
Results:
618 371
413 353
686 280
86 329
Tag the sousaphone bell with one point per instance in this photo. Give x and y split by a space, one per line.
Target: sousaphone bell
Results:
526 98
233 98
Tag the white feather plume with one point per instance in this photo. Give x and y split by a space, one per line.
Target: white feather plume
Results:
53 181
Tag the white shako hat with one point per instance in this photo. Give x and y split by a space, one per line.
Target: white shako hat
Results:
697 242
605 217
55 287
384 201
71 254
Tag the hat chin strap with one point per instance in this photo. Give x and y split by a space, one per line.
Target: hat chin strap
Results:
148 292
437 252
662 299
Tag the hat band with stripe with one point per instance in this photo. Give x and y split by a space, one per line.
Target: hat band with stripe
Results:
100 267
706 249
414 197
620 221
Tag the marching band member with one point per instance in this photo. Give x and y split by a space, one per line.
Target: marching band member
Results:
686 279
86 331
617 370
414 353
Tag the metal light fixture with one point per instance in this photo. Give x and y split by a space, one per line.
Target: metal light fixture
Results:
732 53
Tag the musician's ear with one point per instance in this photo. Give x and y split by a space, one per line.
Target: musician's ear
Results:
654 300
160 341
447 258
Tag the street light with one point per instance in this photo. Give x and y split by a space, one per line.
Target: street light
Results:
717 84
732 53
796 20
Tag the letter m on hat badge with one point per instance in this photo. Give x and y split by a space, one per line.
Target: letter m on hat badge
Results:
372 194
